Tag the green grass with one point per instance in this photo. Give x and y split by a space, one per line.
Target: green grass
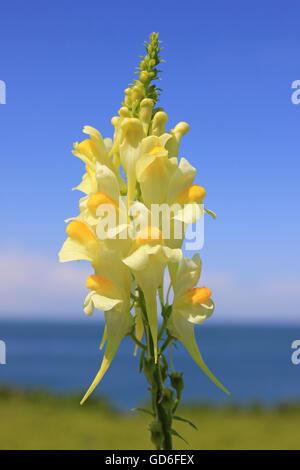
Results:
43 421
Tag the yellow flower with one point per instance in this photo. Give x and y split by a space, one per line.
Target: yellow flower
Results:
145 113
90 151
130 143
110 293
179 130
147 263
82 243
154 169
192 305
193 193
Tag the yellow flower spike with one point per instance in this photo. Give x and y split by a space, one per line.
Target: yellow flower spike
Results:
125 264
145 113
80 232
158 123
193 193
98 199
132 134
173 144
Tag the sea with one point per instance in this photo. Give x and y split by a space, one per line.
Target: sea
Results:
253 361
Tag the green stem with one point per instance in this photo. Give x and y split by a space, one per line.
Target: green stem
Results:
139 343
171 358
165 344
160 411
162 329
162 414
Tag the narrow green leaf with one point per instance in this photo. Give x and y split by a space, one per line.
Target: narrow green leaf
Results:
211 213
175 433
143 410
185 421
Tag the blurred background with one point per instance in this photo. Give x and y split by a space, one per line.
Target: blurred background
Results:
229 72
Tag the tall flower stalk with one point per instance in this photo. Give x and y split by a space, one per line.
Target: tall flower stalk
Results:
130 250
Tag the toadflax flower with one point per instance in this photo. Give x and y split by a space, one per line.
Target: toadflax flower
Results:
139 196
191 306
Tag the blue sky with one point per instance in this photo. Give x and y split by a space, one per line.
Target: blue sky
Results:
228 73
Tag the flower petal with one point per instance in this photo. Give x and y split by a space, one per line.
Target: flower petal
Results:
73 250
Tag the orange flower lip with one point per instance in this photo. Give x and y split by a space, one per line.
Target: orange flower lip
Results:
149 235
98 283
194 193
97 199
80 232
199 295
103 286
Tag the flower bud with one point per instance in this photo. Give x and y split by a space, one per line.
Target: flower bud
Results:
144 76
132 131
115 120
145 113
137 93
173 144
124 112
158 123
177 381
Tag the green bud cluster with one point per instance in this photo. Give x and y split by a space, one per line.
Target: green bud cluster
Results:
147 72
